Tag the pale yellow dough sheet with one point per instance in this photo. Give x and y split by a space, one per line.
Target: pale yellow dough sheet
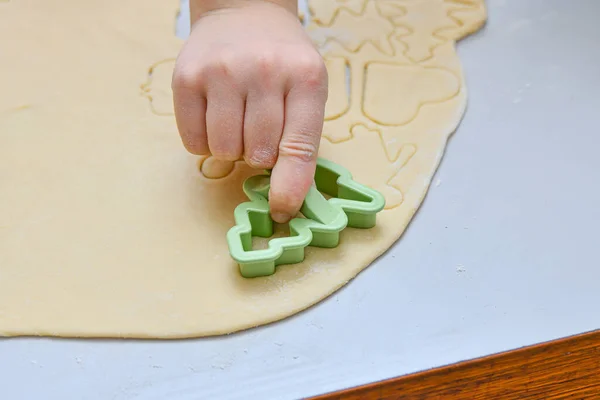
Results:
109 228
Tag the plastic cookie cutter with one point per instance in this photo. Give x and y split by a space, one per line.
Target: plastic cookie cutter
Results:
351 204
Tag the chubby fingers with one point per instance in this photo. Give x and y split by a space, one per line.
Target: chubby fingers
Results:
209 104
263 122
189 101
294 170
265 107
224 117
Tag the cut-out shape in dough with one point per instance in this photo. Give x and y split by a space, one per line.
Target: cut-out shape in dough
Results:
467 18
338 100
371 141
323 12
433 22
353 31
411 87
157 88
390 8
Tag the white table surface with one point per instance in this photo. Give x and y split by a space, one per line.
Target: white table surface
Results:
502 254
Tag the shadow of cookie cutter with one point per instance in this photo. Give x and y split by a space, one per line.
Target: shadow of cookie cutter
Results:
351 204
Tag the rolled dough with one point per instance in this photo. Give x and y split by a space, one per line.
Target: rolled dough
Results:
109 228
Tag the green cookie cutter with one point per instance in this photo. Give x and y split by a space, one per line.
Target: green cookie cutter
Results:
351 204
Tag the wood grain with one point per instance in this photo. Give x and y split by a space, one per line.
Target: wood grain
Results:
567 368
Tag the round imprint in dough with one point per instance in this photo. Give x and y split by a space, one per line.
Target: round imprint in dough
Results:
123 235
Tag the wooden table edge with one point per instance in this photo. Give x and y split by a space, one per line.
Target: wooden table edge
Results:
564 368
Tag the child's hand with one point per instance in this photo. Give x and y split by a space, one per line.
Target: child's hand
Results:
249 83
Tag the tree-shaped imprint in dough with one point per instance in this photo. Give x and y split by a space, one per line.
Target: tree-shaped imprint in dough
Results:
109 228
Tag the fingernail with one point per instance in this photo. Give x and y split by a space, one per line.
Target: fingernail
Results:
280 218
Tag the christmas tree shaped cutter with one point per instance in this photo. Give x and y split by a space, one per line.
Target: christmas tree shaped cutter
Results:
351 204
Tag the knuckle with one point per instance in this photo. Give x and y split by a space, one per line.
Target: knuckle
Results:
261 158
312 70
266 61
265 66
298 147
195 75
187 77
223 63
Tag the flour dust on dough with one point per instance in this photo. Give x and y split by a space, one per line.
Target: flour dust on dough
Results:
109 228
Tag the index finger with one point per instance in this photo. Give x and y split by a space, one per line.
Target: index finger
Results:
293 173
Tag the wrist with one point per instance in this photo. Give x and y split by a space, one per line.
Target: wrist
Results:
198 8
